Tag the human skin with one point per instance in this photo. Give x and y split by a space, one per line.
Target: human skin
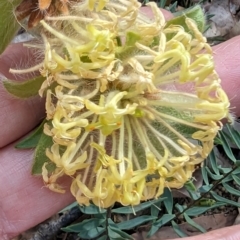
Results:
24 201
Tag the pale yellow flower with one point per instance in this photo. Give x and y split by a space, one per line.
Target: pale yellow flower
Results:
133 106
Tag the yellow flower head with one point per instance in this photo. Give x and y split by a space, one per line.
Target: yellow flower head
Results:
132 105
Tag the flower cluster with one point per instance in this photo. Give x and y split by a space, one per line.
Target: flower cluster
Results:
132 106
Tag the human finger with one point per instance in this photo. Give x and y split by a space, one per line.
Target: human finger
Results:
227 63
227 233
24 201
17 116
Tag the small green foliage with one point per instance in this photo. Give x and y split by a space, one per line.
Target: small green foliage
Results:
160 222
40 155
130 224
168 201
100 225
131 39
32 140
178 230
92 209
193 223
195 13
24 89
135 209
226 146
198 210
8 23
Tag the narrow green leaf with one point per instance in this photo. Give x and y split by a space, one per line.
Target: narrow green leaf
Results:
32 140
8 23
159 223
92 209
234 134
237 163
179 207
205 175
116 233
140 207
225 200
92 233
173 7
205 188
231 190
40 155
224 170
193 223
168 201
162 3
212 175
156 208
195 13
130 224
85 225
236 179
190 186
24 89
198 210
178 230
226 147
213 162
104 237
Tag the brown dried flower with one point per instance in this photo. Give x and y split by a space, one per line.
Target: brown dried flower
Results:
35 10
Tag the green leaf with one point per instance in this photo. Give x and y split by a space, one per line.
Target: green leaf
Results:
178 230
190 186
205 175
131 39
32 140
159 223
236 179
8 23
24 89
212 175
173 7
40 155
162 3
205 188
92 233
198 210
195 13
155 208
224 170
140 207
225 200
127 225
85 225
193 224
116 233
92 209
213 162
179 207
168 201
231 190
226 147
234 134
104 237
